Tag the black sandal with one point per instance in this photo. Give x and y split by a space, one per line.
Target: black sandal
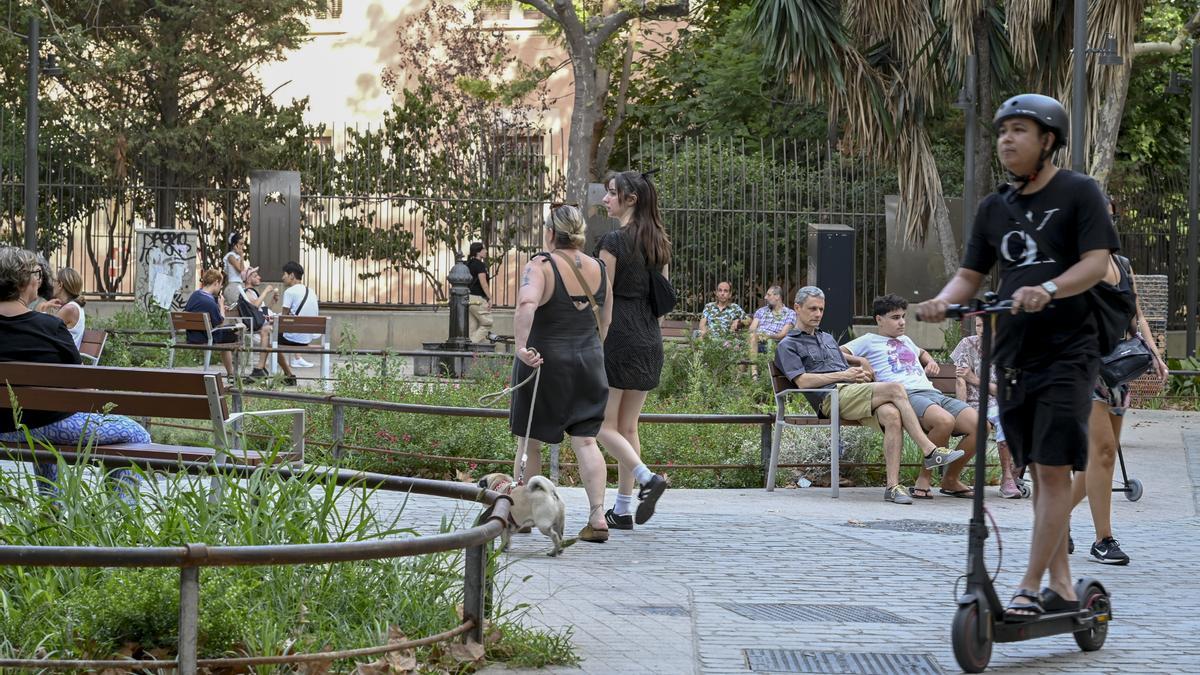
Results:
1053 602
1024 611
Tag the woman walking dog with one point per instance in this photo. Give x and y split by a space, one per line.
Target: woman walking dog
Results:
563 312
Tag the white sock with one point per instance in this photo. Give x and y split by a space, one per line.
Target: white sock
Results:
642 474
624 505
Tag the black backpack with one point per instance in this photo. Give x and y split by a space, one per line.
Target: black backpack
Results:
255 314
1113 306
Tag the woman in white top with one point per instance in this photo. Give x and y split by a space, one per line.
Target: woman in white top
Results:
68 290
235 265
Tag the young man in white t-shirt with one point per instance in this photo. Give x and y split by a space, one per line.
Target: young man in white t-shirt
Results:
896 358
298 300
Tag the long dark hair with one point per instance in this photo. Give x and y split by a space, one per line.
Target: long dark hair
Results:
645 228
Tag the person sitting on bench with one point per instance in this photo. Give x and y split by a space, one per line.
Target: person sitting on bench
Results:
811 358
41 338
896 358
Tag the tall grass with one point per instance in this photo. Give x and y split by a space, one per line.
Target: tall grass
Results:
68 612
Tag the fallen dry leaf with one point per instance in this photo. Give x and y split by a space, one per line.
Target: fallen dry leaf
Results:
314 667
463 476
379 667
469 652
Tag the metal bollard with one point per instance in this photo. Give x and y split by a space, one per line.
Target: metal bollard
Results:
765 446
475 590
339 429
554 462
189 618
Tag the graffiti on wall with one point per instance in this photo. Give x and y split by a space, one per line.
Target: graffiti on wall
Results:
166 267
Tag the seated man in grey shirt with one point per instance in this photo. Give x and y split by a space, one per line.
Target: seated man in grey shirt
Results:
811 359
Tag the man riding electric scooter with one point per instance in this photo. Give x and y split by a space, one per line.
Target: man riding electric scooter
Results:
1050 234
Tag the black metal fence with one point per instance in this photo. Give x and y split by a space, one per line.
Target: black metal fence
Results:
1152 217
735 210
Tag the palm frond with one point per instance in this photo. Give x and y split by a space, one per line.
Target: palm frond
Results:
804 36
1024 18
960 16
920 182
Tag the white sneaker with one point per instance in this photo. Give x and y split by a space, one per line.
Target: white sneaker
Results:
299 362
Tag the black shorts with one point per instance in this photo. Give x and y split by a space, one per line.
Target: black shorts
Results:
284 342
1045 412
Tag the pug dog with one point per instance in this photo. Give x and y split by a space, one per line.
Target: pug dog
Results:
535 503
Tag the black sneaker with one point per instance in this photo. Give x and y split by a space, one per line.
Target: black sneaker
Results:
289 380
616 522
648 496
1108 552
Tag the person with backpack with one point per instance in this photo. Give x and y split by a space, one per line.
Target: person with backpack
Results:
253 306
1104 426
1050 234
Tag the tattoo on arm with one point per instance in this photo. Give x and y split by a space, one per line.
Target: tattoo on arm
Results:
525 276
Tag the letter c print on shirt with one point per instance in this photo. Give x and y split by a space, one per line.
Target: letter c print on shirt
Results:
1020 249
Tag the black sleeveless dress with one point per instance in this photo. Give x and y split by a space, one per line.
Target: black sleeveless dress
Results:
633 349
573 390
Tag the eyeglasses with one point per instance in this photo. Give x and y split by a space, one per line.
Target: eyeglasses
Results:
37 271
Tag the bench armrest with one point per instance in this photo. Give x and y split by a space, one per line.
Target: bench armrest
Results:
781 400
297 415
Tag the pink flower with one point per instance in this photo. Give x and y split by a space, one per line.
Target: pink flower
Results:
406 438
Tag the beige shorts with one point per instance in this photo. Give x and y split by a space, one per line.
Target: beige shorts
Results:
854 404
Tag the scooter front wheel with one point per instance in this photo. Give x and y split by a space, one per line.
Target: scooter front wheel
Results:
1134 490
970 649
1096 601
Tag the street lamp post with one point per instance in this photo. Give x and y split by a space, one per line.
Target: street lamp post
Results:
31 140
1175 86
1080 52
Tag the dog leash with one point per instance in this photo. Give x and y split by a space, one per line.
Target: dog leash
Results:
488 399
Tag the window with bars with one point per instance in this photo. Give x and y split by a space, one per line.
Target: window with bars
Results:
333 10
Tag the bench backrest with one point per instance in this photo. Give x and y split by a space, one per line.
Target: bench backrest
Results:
181 321
289 323
673 328
93 344
135 392
945 381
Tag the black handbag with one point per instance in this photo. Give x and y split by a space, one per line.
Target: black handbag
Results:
662 294
1130 360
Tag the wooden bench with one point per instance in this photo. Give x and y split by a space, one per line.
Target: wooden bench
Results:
945 381
674 329
144 392
181 322
92 346
319 325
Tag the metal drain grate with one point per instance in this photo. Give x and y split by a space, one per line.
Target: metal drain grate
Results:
840 663
651 610
917 526
813 613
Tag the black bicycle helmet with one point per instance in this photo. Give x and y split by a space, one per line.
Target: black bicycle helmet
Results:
1047 112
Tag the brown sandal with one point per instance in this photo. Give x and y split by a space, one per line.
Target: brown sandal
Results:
589 533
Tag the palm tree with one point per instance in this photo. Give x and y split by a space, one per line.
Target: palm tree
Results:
883 66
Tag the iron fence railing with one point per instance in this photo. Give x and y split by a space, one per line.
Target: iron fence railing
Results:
190 558
1152 208
735 210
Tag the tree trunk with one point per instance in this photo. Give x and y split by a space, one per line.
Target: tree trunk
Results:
583 120
604 145
941 225
1111 111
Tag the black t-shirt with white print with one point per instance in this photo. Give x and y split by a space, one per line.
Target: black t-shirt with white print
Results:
1070 214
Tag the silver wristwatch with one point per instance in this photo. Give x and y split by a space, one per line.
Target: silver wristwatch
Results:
1050 287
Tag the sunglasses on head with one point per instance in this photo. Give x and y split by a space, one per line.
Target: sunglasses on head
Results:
555 205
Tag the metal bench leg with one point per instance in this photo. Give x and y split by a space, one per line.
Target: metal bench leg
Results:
835 444
772 465
325 370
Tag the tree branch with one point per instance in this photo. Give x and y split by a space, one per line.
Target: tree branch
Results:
567 18
545 8
605 27
1192 27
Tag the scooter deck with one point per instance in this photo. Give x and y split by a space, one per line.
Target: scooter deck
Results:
1050 623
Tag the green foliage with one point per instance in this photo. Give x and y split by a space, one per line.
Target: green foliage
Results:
1154 128
262 610
457 134
709 79
1183 385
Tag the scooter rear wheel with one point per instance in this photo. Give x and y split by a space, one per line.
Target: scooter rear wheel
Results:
1097 602
1134 488
971 651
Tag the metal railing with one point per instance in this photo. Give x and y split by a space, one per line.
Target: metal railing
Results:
190 558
